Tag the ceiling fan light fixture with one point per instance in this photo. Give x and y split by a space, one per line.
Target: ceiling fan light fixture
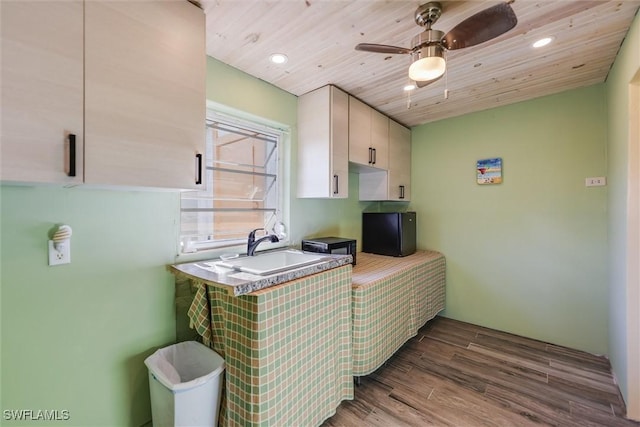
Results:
429 65
427 48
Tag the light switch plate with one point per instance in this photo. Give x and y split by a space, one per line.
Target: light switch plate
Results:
59 257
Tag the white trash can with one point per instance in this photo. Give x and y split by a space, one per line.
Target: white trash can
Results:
185 381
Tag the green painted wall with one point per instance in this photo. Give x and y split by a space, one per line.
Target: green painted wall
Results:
529 255
627 64
74 337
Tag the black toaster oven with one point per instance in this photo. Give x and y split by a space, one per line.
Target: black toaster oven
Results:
331 245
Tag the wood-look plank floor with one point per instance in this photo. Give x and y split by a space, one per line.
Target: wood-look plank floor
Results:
457 374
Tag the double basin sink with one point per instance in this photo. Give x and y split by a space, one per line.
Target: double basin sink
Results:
272 262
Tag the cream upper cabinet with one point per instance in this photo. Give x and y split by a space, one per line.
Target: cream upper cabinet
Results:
394 183
145 66
359 132
42 92
380 139
399 162
323 143
132 72
368 136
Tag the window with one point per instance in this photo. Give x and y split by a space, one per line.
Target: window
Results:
242 185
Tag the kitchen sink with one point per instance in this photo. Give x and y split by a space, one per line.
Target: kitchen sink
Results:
272 262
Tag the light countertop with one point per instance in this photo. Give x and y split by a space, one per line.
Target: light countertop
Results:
240 283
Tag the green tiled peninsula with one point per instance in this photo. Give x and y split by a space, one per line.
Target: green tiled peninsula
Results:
391 299
287 348
292 349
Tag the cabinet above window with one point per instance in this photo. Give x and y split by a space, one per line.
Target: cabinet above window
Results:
103 93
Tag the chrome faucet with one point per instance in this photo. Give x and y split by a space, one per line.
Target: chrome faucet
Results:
252 243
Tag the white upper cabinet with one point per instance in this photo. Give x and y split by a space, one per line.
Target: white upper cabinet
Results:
145 66
380 139
395 183
368 136
359 132
139 68
323 143
399 162
42 96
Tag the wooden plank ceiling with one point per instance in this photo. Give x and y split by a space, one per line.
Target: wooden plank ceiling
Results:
319 36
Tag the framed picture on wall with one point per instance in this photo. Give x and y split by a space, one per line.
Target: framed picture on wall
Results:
489 171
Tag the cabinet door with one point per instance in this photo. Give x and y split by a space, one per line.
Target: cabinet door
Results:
399 162
145 68
359 132
314 144
323 144
379 139
41 90
339 143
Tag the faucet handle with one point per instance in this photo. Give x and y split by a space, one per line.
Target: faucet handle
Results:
252 233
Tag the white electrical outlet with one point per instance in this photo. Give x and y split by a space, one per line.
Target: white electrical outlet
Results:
597 181
61 255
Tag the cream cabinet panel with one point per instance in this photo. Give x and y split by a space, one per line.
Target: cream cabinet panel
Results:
399 162
380 139
368 136
359 132
394 183
323 144
42 94
374 186
145 68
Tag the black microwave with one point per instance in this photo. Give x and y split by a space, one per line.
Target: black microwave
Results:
331 245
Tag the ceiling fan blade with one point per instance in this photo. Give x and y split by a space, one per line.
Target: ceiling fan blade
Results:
381 48
481 27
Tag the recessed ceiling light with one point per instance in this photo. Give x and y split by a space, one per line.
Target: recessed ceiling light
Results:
278 58
407 88
543 42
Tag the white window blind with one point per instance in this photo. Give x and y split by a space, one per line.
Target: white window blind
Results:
241 177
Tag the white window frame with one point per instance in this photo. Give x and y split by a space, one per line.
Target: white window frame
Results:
220 113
